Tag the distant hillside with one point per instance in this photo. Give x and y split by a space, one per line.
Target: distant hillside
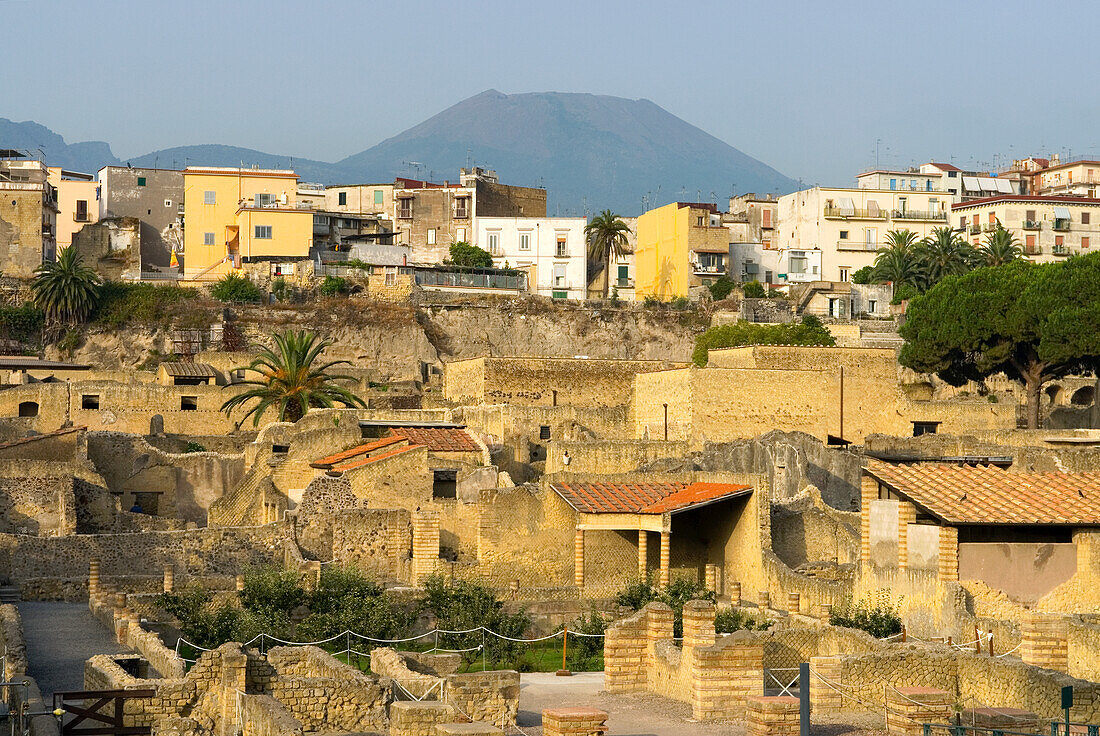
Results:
587 150
590 151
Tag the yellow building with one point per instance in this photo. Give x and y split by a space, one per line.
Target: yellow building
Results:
680 246
236 216
77 202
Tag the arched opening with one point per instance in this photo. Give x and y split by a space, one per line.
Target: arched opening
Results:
28 409
1082 396
1054 394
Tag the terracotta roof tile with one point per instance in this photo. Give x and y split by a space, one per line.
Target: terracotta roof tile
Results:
642 498
979 494
367 461
328 462
438 439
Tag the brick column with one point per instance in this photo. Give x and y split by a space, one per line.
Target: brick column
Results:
908 708
666 544
907 514
713 577
771 715
624 654
643 553
764 600
723 676
169 578
659 622
93 577
578 558
238 583
868 492
1045 641
826 671
425 558
793 603
949 554
698 625
735 593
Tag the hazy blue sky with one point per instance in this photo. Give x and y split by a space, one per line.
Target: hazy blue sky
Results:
808 87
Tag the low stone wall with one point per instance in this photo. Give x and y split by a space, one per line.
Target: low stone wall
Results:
324 693
492 696
15 670
386 662
113 611
263 715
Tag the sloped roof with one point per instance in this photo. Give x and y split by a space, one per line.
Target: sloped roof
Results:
986 494
438 439
337 469
328 462
187 369
43 436
644 498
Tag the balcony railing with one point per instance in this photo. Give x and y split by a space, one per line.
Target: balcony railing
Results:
858 245
975 229
1032 225
920 215
1061 250
710 269
624 283
1032 250
989 227
81 217
1061 224
848 213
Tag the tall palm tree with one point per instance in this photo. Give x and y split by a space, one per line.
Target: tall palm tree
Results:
290 382
897 261
1000 247
944 253
607 242
65 289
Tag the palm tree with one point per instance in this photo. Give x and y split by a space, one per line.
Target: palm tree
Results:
290 382
944 253
65 289
607 242
897 261
1000 247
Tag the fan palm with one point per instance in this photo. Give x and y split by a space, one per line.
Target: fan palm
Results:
607 242
944 253
1000 247
65 289
897 261
290 380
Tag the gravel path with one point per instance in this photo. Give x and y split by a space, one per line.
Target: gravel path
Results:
60 637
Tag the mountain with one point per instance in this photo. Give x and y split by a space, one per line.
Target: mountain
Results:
591 151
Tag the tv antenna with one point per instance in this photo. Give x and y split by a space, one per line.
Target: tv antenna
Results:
414 167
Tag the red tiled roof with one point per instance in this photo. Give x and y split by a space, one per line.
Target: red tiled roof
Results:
367 461
1037 198
328 462
438 439
643 498
945 167
969 494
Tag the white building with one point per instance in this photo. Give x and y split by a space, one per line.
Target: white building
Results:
551 249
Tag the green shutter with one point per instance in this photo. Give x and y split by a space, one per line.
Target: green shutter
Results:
141 181
378 196
560 294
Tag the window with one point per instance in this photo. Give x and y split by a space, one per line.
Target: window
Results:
798 265
624 275
1029 215
431 236
81 210
1085 218
462 208
765 218
1059 240
342 199
89 401
1084 242
843 234
962 222
167 203
562 251
893 183
28 409
461 235
378 197
843 273
920 428
699 221
405 208
544 432
992 218
189 403
263 232
208 238
141 181
494 243
525 241
872 306
1030 243
445 483
209 198
391 276
559 275
264 199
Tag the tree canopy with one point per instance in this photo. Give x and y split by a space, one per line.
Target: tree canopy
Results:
607 242
65 289
809 331
1034 323
470 256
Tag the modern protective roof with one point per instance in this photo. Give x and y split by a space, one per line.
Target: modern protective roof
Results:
644 498
368 447
187 369
337 469
986 494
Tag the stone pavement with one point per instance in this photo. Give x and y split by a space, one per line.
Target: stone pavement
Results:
60 637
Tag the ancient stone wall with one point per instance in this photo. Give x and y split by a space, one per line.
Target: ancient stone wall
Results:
608 456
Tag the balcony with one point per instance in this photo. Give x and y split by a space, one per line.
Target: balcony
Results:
1061 224
624 283
713 270
975 229
1061 250
858 245
1032 250
989 227
920 215
1032 225
462 214
848 213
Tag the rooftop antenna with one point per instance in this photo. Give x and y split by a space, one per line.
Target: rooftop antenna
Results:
877 142
467 158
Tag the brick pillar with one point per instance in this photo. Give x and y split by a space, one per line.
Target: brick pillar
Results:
624 654
666 545
121 622
907 514
169 578
826 612
793 602
698 625
658 628
764 600
868 492
712 577
908 708
93 577
234 678
425 557
826 671
238 583
949 554
578 558
1045 641
774 715
643 553
735 593
723 676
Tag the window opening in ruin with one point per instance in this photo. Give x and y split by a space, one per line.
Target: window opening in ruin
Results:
445 483
28 409
920 428
544 432
89 401
148 502
280 449
189 403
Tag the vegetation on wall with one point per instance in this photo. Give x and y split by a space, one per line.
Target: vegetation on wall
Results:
236 289
810 331
23 323
754 290
66 290
863 275
721 288
470 256
878 618
333 285
124 303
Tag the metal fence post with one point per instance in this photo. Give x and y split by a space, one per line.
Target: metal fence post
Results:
804 699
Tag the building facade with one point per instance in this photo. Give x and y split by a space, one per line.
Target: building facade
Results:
838 231
752 219
237 216
77 202
362 199
28 215
1072 179
155 198
551 249
680 246
1047 228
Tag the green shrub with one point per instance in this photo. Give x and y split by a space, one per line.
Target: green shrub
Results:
754 290
904 292
652 302
333 285
810 331
460 605
862 275
721 287
124 303
280 289
583 652
680 304
270 588
776 294
639 592
236 289
471 256
23 323
194 447
729 620
879 619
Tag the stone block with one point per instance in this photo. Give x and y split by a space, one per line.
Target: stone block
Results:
573 722
908 708
768 715
477 728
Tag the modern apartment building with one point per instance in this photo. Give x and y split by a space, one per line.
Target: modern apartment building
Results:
551 249
236 216
680 246
28 214
155 198
1048 228
77 202
361 199
752 219
1079 178
826 234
